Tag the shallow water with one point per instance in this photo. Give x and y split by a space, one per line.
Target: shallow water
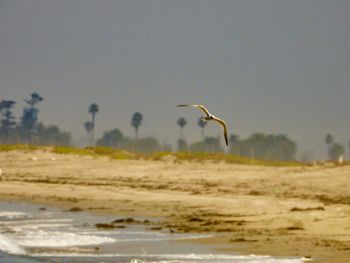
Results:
28 235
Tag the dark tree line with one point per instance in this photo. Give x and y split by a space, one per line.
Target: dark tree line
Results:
8 123
28 129
264 146
116 139
258 145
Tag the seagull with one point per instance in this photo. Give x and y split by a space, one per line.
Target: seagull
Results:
209 117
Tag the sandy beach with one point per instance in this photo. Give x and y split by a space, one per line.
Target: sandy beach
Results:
281 211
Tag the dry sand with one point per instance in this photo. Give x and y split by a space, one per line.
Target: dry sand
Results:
299 211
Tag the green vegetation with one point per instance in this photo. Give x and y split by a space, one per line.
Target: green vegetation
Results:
19 147
72 150
116 139
118 154
113 138
95 151
89 151
93 109
336 151
182 123
208 145
136 121
29 120
202 124
264 146
28 130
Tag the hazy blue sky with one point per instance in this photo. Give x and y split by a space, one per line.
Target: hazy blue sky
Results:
273 66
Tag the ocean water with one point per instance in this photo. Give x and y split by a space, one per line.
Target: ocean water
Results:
29 234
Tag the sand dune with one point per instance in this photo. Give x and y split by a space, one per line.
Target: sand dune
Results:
301 211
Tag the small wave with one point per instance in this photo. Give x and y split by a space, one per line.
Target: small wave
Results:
131 236
170 258
213 258
156 239
31 227
126 232
12 214
61 239
8 245
37 221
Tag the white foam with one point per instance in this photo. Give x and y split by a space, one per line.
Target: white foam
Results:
42 238
213 257
168 258
27 228
12 214
126 232
30 232
132 236
9 245
38 221
155 239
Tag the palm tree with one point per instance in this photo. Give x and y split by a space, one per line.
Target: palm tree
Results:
7 122
93 109
136 121
88 128
34 99
29 119
7 119
182 123
202 123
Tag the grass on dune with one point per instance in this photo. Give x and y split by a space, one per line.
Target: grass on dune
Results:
97 151
217 157
18 147
89 151
125 155
71 150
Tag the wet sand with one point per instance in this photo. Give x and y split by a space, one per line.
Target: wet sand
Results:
279 211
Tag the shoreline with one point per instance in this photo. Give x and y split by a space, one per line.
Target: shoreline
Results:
251 209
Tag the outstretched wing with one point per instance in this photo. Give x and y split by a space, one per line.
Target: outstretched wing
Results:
223 124
197 106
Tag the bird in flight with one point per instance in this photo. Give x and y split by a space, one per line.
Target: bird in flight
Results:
209 117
